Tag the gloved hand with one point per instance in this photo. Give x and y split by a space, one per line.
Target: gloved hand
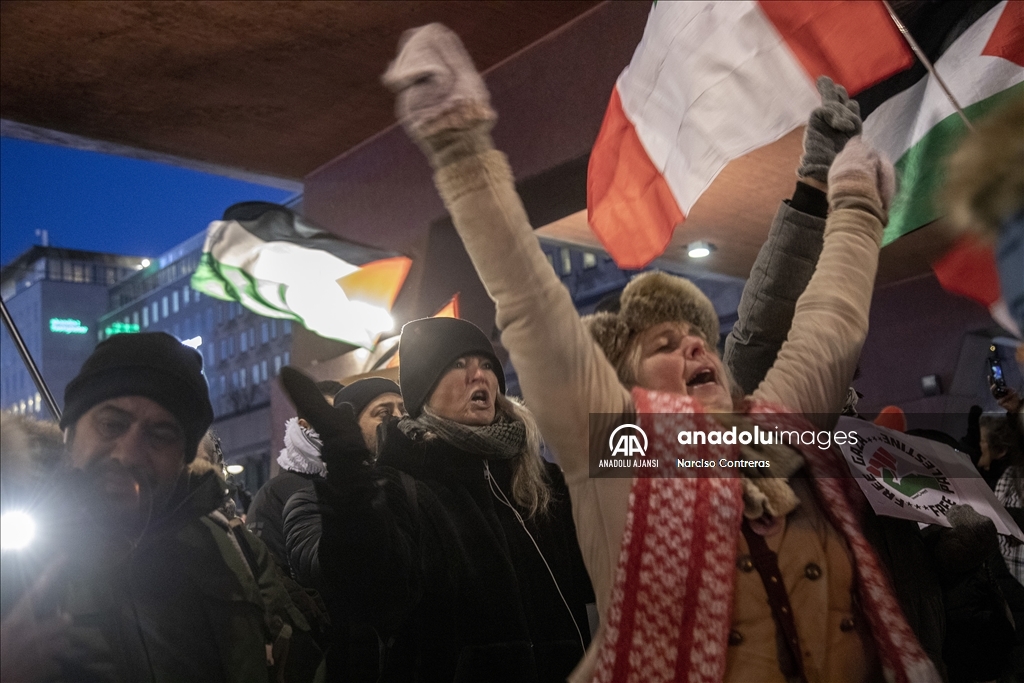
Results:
861 178
828 130
970 541
437 85
343 444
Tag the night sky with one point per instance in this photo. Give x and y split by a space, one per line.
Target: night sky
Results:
100 202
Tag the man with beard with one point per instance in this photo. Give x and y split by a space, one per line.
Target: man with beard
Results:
152 588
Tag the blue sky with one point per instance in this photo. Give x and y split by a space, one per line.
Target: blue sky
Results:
100 202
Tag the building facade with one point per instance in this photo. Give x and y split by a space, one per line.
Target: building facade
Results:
55 297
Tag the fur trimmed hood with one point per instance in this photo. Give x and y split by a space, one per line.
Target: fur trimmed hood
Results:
650 299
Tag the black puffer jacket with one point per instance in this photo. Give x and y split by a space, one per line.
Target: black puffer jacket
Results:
420 547
265 517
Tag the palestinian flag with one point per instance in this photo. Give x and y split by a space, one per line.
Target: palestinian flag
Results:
712 81
277 265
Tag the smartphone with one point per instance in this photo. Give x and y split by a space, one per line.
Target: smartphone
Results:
995 373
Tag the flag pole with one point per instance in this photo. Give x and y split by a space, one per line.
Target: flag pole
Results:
26 356
927 63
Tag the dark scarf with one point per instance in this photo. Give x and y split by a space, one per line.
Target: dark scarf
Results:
502 440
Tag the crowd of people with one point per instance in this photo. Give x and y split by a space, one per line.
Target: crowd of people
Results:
416 533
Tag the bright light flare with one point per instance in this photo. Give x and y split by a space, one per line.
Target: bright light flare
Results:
17 529
235 469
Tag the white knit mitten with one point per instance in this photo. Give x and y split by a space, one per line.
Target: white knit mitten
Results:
861 177
438 87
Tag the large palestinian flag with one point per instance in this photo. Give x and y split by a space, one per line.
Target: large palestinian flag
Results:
278 265
712 81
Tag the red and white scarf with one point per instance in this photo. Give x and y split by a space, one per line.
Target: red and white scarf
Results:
671 603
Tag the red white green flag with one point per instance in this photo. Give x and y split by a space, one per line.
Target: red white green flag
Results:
712 81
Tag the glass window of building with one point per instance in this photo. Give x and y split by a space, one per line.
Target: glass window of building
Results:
186 293
263 370
174 301
222 383
135 318
273 329
241 343
287 328
264 332
277 364
287 358
589 260
231 346
145 317
252 337
155 312
566 261
255 374
164 308
241 378
53 266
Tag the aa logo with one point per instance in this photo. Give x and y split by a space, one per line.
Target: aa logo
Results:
626 441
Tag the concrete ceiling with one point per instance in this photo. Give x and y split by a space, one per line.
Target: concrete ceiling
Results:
271 89
288 93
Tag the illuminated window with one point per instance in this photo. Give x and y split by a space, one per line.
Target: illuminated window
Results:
255 374
273 329
185 293
263 370
277 364
287 328
164 307
264 332
242 343
287 358
252 337
174 301
589 260
135 318
566 261
155 312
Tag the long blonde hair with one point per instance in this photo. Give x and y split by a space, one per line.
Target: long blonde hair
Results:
530 487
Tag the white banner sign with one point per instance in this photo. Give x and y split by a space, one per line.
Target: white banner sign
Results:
914 478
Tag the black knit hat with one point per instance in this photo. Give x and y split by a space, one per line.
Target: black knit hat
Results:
151 364
428 347
362 392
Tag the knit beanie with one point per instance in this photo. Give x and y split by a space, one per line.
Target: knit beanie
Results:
650 299
362 392
150 364
428 347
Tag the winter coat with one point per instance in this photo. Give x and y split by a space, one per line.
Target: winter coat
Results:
265 517
183 606
420 547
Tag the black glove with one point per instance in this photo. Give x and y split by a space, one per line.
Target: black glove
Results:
344 448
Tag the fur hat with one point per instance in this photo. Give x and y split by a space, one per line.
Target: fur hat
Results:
650 299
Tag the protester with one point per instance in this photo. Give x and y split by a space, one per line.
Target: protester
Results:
373 400
848 623
458 544
300 464
150 585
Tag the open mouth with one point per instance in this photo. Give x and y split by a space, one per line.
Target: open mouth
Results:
705 376
480 398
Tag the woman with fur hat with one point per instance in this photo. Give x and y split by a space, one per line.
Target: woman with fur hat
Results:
762 574
458 543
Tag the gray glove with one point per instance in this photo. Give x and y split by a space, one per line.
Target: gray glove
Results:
437 85
828 129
